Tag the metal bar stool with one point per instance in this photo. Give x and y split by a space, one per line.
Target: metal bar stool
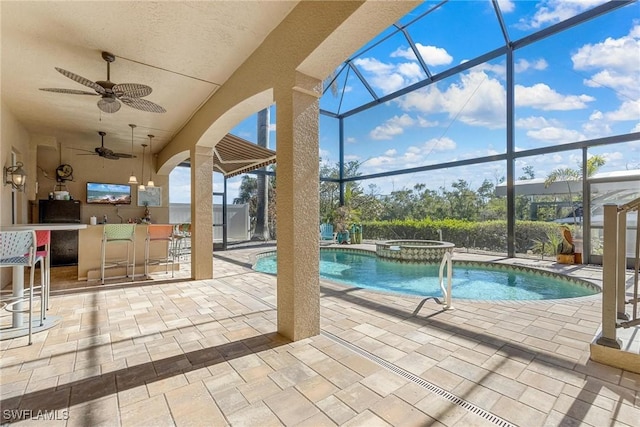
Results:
43 243
159 233
181 234
119 233
18 249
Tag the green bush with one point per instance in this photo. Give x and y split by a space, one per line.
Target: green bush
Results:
486 235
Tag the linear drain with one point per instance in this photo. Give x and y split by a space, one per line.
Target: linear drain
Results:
492 418
423 383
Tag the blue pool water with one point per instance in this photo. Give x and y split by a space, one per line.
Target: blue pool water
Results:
480 283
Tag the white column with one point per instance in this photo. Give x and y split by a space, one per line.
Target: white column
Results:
201 213
297 203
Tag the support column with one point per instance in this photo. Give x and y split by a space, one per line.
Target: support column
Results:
609 277
201 212
297 200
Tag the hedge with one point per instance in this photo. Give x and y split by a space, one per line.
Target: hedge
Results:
486 235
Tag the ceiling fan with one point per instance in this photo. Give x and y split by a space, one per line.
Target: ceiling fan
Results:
111 94
102 151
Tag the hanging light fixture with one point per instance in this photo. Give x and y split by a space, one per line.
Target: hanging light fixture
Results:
132 179
150 183
141 187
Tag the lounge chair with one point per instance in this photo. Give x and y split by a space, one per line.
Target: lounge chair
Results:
326 232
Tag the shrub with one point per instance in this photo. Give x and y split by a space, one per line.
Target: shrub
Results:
486 235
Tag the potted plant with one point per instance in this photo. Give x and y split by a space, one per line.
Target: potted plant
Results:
341 221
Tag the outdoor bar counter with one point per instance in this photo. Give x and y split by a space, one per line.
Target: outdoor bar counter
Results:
90 254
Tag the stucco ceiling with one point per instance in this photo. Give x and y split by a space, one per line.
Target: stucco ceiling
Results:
183 50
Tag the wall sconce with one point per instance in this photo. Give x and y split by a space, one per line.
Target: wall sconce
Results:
16 176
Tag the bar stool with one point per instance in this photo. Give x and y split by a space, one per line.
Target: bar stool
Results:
18 249
159 233
182 232
118 233
43 242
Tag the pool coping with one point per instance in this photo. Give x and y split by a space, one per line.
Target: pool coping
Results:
547 271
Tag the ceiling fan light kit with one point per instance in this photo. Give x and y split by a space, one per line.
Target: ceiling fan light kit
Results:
112 94
150 183
132 179
141 187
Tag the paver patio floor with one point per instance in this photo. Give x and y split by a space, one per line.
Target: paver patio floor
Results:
206 352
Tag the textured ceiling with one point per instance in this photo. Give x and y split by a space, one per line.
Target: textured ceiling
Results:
183 50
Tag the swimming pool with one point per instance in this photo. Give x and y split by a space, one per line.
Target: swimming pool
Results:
478 281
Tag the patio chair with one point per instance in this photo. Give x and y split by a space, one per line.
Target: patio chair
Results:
326 232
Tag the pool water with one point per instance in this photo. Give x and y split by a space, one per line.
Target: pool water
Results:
480 283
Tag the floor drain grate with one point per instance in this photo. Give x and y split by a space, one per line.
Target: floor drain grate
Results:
423 383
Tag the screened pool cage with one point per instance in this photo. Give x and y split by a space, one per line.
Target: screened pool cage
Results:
470 90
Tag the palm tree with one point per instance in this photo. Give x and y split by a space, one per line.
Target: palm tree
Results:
261 232
594 163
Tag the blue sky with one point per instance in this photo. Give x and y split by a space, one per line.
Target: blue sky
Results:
580 84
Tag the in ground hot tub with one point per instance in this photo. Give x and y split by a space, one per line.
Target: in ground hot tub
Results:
414 250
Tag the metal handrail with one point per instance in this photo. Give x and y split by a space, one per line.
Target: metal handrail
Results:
631 206
446 261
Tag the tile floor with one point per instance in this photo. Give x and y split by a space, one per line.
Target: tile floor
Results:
190 353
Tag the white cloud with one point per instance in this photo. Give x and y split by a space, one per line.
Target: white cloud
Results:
396 125
439 144
350 140
636 128
431 55
615 62
553 11
542 97
410 70
535 122
325 155
506 6
522 65
272 127
392 127
424 123
556 134
629 110
388 77
413 156
476 100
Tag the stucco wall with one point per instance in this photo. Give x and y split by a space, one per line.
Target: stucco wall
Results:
13 137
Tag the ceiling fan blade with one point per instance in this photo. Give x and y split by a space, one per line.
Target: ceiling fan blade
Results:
124 155
142 104
82 80
131 90
82 149
72 91
109 105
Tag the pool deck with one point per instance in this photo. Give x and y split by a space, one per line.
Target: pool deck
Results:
206 353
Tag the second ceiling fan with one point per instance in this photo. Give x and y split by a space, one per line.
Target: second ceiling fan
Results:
111 94
102 151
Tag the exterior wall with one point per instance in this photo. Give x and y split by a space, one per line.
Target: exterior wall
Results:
13 137
89 168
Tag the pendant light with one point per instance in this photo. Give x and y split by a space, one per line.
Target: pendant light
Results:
132 179
141 187
150 183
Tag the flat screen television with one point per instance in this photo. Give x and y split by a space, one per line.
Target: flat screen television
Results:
108 194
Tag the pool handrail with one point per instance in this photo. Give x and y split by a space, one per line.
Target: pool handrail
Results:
446 261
